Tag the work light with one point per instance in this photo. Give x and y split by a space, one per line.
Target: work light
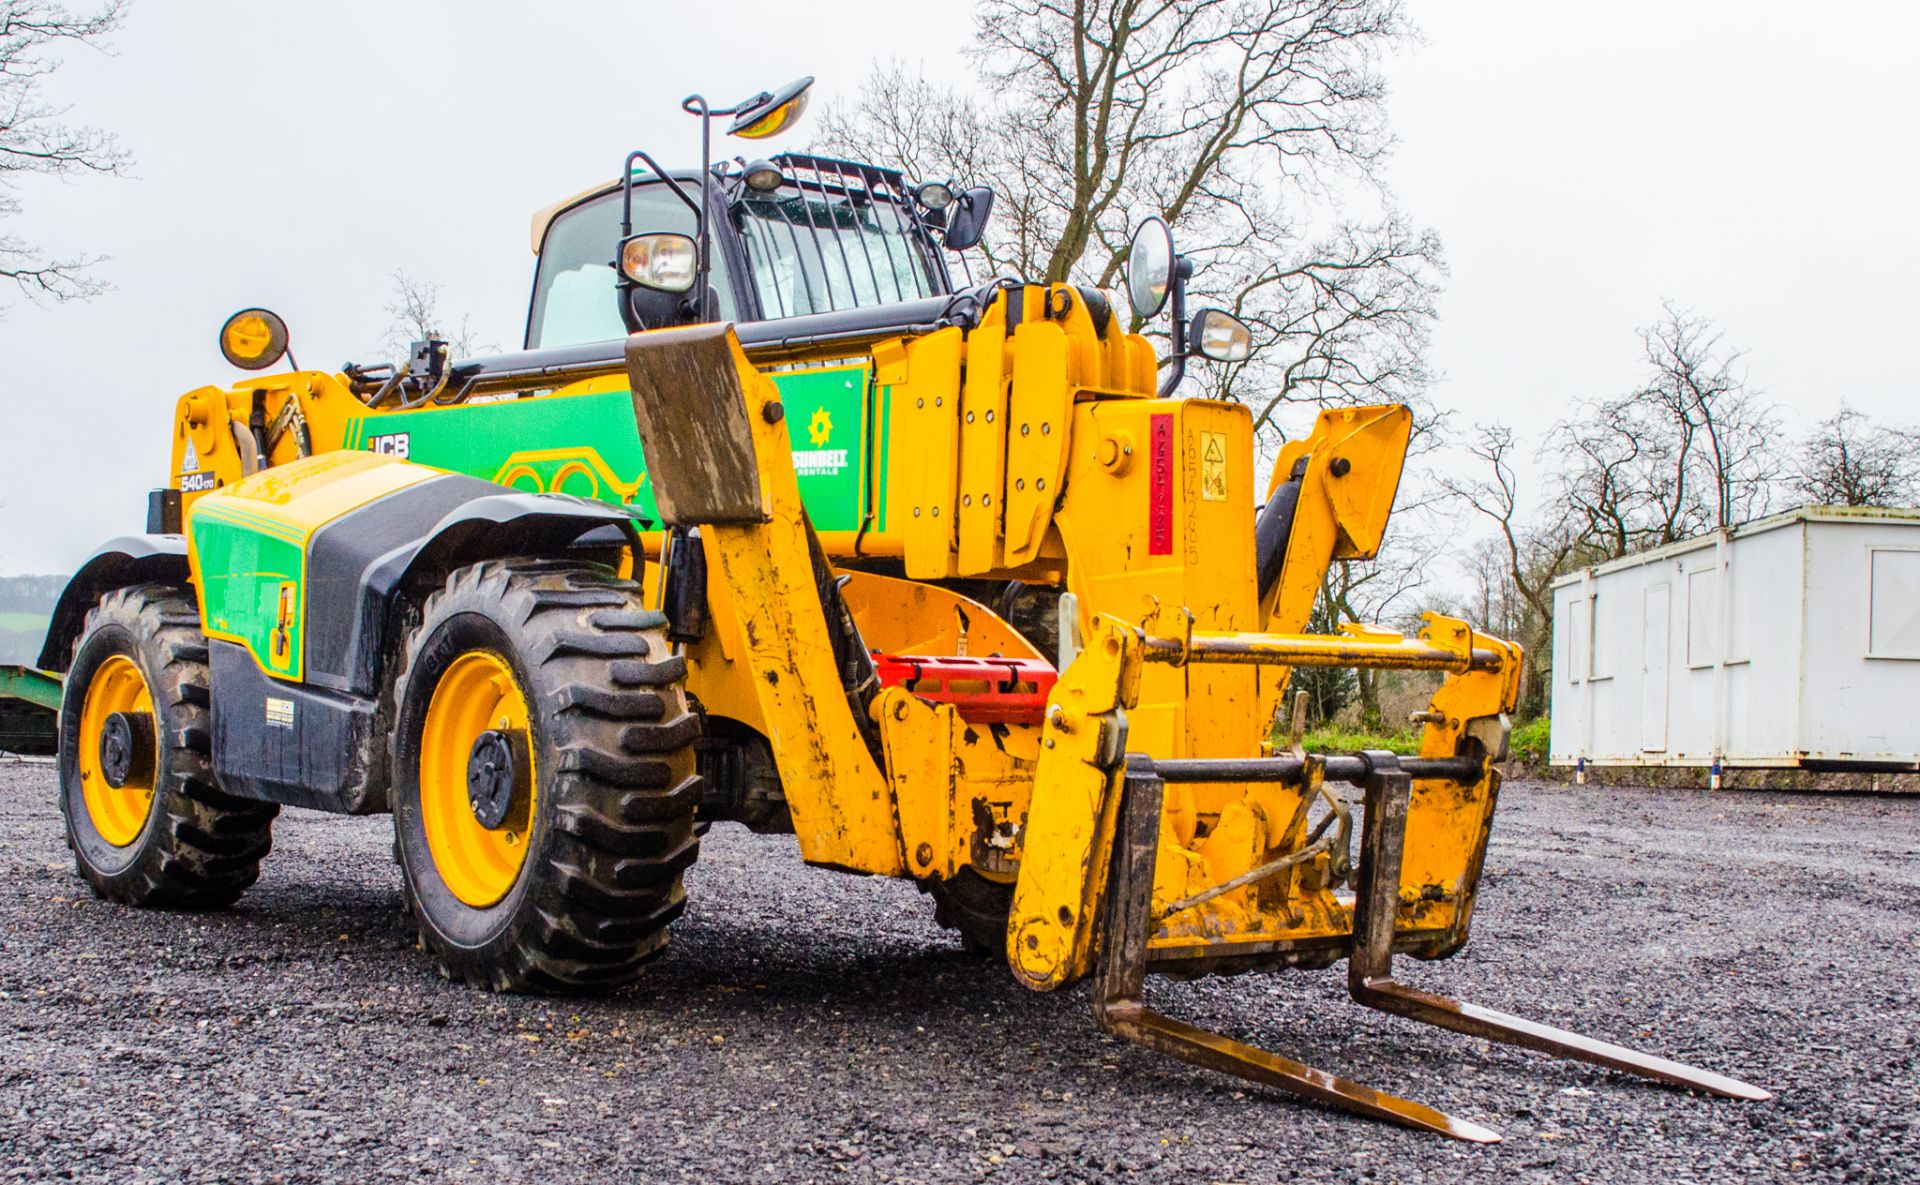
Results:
763 176
934 195
1221 336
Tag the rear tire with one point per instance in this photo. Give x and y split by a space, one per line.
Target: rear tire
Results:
575 882
168 836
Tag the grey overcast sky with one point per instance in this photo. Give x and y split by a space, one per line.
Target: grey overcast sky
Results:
1754 161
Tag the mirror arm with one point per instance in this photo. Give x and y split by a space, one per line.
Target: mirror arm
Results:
626 196
697 105
1177 359
622 285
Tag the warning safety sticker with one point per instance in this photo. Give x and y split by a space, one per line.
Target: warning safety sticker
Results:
1213 466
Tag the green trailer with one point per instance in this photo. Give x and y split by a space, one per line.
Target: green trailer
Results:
29 708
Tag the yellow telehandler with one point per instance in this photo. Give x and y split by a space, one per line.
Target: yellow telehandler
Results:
774 521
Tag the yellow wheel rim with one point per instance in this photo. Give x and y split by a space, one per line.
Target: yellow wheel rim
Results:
119 813
477 865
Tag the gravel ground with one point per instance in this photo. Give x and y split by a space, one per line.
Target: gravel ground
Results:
811 1026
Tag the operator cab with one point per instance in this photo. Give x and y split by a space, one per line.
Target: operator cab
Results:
797 235
799 250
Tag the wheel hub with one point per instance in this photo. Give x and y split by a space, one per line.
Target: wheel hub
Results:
126 748
479 788
493 777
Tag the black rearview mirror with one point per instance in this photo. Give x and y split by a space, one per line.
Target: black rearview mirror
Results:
968 221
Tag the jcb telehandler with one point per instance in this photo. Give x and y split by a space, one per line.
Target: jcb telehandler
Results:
774 521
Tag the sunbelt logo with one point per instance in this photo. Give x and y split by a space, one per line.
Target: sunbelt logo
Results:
819 461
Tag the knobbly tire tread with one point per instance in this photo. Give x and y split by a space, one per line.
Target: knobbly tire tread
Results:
201 847
974 907
613 737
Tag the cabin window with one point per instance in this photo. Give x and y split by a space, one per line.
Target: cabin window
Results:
1893 615
574 298
829 246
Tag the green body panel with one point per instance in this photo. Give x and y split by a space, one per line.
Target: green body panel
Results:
30 686
588 444
245 560
883 455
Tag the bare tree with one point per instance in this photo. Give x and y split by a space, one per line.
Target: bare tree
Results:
416 314
1237 120
1390 589
35 139
1517 567
1690 450
1719 432
1851 461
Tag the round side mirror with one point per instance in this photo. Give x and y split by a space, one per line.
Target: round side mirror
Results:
1150 268
1221 336
771 112
253 339
662 262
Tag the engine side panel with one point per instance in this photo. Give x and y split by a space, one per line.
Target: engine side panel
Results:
248 546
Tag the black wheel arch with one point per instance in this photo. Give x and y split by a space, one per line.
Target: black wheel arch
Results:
370 568
118 563
359 598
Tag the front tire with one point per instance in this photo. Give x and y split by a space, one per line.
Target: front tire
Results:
146 823
543 777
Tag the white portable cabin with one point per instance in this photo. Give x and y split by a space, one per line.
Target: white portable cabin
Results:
1787 642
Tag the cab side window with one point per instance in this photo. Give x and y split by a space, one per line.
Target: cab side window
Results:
574 299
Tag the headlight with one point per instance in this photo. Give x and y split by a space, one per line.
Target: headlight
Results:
1221 336
663 262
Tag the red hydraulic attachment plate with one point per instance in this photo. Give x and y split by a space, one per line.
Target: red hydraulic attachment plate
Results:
985 690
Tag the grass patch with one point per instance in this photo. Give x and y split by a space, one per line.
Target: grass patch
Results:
22 622
1529 741
1527 744
1333 739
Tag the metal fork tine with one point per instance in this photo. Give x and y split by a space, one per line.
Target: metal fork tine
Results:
1370 965
1415 1004
1118 984
1215 1052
